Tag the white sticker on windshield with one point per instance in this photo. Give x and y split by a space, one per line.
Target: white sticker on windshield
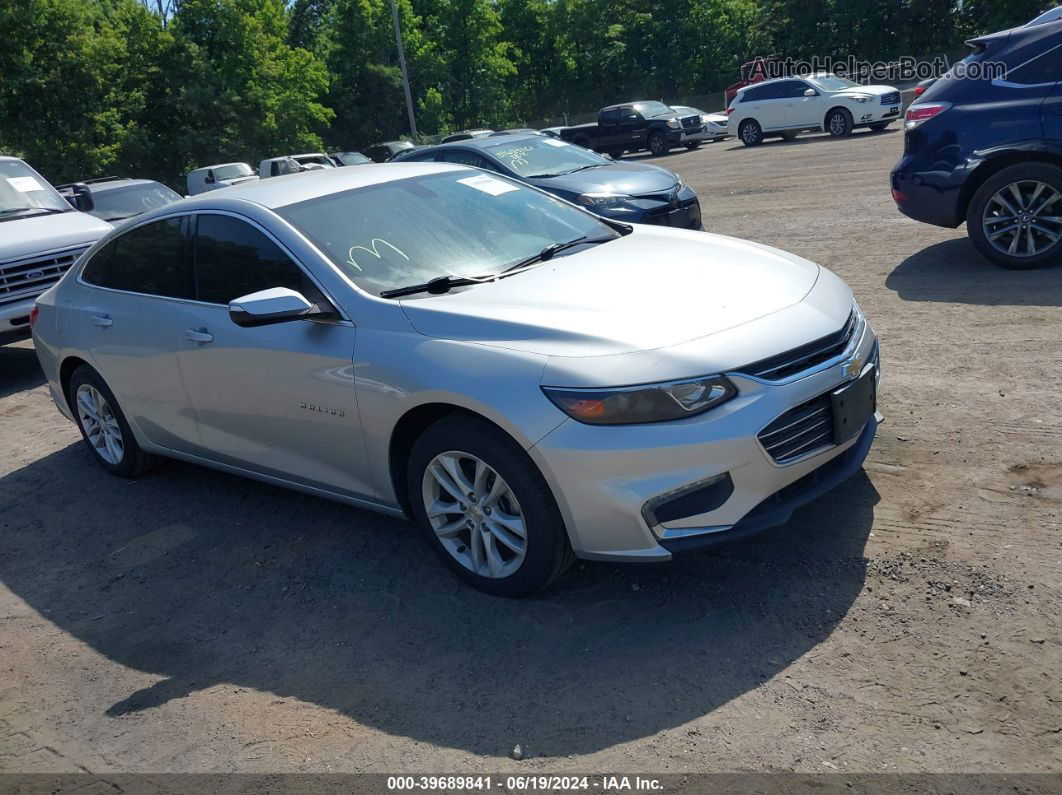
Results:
555 142
24 184
495 187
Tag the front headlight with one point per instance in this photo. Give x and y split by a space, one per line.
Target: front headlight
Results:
674 123
861 97
628 405
602 201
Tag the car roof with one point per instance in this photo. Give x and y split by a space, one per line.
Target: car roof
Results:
490 142
123 182
219 165
281 191
1053 15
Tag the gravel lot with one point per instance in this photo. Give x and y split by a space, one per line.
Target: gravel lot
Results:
910 621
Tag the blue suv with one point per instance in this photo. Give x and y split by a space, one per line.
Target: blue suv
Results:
987 148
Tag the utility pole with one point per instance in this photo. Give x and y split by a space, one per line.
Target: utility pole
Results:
405 74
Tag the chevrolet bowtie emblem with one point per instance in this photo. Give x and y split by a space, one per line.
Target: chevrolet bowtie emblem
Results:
853 367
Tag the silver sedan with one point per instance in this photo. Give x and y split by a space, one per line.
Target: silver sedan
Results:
527 381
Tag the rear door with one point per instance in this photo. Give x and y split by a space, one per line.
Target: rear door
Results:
765 104
141 286
275 399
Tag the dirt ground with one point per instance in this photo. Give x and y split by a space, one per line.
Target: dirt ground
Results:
909 621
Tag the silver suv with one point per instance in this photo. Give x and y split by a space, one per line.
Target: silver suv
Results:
41 235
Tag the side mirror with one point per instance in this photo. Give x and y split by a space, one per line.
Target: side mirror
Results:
80 197
275 305
810 92
209 178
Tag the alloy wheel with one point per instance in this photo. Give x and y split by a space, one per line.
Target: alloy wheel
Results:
749 134
838 124
100 425
1023 219
474 514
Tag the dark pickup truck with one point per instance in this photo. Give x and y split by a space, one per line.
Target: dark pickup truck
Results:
634 126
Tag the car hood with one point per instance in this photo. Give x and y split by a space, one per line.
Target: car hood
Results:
637 179
38 234
651 289
874 91
717 118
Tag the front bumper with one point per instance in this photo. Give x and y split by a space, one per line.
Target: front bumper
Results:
694 135
14 320
604 477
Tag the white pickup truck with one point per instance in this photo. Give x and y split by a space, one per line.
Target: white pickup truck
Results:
41 235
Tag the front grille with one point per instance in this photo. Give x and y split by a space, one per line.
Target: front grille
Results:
892 98
27 278
800 431
783 365
691 122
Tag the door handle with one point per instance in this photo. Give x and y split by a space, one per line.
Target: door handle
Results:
198 336
102 321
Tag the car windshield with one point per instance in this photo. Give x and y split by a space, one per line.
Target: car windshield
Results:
118 203
23 190
834 83
683 110
650 109
233 171
545 157
352 158
410 231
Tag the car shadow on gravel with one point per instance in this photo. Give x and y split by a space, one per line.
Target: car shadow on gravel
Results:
202 578
19 369
954 272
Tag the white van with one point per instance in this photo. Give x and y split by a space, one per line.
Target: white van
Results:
41 235
220 176
293 164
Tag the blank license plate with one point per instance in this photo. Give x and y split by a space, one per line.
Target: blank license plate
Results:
853 405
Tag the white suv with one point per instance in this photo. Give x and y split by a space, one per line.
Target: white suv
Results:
788 106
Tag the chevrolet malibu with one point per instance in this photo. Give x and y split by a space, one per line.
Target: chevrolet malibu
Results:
529 382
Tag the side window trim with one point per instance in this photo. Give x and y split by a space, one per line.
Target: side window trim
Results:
269 236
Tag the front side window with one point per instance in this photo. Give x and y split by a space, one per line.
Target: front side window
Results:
411 230
234 259
151 259
545 157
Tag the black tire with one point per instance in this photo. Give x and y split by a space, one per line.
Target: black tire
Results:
1025 176
790 136
693 145
878 126
839 123
134 461
750 132
548 552
657 144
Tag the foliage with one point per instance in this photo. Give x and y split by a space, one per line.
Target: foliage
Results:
90 87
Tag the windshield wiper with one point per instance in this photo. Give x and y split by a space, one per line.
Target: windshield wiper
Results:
9 210
554 248
436 286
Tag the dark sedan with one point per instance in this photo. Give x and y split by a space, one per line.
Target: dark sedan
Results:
633 192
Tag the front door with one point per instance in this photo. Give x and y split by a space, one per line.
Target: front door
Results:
801 111
275 399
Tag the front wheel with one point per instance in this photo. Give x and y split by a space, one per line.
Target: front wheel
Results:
486 509
878 126
750 132
1015 217
658 144
103 426
693 145
790 136
839 123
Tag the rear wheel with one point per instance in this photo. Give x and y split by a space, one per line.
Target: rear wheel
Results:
839 123
1015 217
104 427
693 145
750 132
658 144
486 509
